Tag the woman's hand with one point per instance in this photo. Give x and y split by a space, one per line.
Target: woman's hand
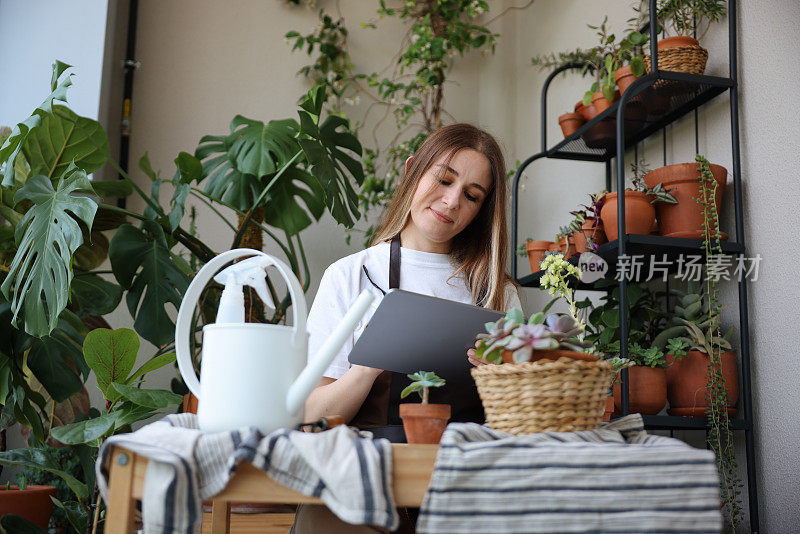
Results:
473 360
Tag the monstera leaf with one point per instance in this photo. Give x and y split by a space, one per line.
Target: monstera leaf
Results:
235 164
46 238
323 148
142 264
283 209
13 144
63 138
92 295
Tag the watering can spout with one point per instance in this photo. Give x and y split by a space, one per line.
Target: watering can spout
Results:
308 379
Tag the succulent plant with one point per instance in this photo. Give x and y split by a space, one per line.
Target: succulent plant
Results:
540 332
420 382
692 326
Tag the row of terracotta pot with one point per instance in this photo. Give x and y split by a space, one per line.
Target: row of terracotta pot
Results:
683 383
684 219
574 244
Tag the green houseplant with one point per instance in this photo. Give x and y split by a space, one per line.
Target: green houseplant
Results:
424 422
278 177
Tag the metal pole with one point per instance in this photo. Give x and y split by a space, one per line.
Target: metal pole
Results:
129 65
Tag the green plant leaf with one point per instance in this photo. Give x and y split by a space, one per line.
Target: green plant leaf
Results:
46 238
16 524
46 362
111 354
64 138
142 264
90 255
148 398
156 362
36 459
637 66
12 146
75 513
608 92
85 431
610 318
112 188
282 206
92 295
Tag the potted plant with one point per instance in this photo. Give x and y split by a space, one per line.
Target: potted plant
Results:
425 422
590 234
647 379
535 251
685 18
640 214
694 186
570 122
565 240
31 502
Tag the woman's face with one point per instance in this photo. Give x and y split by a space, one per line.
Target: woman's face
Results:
447 199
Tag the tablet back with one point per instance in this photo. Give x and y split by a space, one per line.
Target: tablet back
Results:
410 332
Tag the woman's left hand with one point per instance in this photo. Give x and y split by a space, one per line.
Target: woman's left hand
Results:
473 360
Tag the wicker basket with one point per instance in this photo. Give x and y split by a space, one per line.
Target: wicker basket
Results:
543 396
688 59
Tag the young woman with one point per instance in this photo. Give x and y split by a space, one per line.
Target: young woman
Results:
444 235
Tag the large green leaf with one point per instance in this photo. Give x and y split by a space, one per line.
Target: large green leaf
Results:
46 361
149 398
332 166
90 255
36 459
142 264
111 354
63 138
157 362
282 203
87 431
16 524
92 295
75 513
189 170
12 146
46 238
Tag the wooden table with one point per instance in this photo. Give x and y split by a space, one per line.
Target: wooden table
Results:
412 466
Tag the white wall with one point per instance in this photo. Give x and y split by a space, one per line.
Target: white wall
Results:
33 34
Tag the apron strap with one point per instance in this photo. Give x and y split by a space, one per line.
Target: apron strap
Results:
394 263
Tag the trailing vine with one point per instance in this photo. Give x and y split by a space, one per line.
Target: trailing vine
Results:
720 437
438 32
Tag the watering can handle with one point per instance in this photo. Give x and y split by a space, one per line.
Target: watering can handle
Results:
203 277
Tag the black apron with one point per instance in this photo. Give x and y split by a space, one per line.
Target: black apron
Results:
380 410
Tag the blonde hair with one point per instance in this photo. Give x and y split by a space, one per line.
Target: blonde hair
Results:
481 249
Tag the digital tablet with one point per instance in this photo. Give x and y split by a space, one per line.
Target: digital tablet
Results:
410 332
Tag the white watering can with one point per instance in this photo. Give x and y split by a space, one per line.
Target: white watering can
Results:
253 374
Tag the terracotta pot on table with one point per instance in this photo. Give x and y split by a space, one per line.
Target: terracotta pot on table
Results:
639 214
684 219
424 423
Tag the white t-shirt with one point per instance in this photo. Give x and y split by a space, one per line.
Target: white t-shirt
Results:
420 272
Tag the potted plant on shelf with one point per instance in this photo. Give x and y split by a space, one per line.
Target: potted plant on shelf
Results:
565 240
682 52
590 234
640 214
694 186
647 379
535 251
425 422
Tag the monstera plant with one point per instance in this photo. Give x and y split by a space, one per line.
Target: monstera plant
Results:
56 232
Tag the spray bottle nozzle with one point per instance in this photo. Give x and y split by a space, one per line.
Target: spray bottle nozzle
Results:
250 272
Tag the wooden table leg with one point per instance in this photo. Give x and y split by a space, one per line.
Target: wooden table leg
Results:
220 517
120 505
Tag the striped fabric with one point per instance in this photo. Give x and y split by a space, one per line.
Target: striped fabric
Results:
615 479
350 472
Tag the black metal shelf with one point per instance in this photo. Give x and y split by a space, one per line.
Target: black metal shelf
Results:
649 248
657 100
649 105
672 422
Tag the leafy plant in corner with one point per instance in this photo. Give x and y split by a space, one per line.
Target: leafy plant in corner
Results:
689 17
659 194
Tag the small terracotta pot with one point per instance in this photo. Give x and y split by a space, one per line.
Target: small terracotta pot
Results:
684 219
647 390
554 247
570 122
588 112
624 77
552 355
588 231
32 503
639 214
687 379
536 250
609 408
567 246
600 102
424 423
